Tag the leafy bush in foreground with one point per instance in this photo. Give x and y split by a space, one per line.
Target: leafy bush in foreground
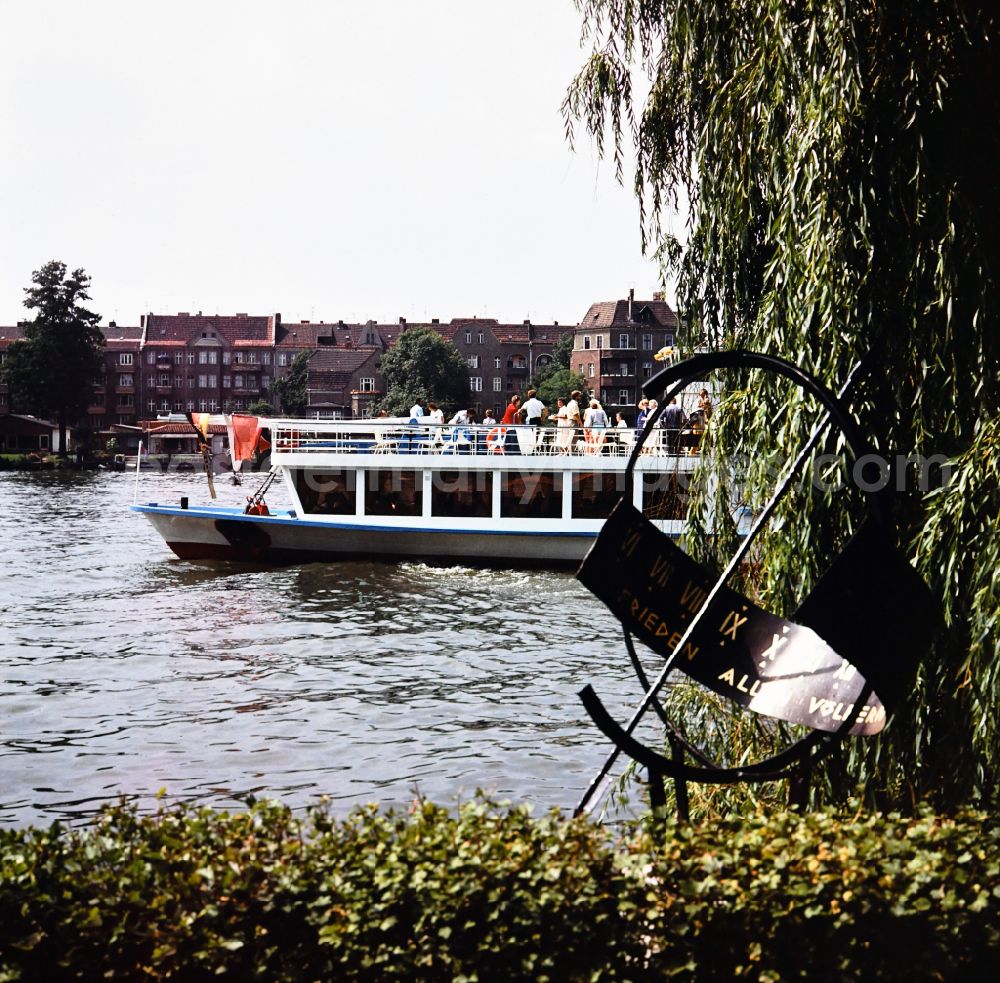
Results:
491 893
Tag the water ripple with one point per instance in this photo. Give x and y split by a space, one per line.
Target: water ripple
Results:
124 670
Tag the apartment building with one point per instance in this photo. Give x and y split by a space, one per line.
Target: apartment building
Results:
614 345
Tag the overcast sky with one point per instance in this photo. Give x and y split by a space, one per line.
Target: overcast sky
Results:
323 158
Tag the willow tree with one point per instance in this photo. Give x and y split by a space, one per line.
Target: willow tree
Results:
836 163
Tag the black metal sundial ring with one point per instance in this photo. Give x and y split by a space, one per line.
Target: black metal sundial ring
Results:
793 670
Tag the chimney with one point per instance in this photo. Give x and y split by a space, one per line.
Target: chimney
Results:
631 300
435 320
112 324
402 321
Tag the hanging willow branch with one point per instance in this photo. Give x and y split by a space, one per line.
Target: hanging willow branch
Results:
839 161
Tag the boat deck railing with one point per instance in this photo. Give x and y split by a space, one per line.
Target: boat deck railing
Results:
368 437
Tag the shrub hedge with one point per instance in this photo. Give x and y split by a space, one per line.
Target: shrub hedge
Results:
488 892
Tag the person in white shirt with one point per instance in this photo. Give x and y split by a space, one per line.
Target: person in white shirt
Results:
417 410
435 414
462 416
534 409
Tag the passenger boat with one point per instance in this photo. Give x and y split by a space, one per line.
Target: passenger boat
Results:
393 488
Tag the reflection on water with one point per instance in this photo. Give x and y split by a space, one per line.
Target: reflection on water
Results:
126 670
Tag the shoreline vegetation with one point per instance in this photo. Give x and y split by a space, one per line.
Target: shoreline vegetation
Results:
487 889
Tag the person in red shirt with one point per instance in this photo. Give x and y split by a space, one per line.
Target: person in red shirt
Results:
510 414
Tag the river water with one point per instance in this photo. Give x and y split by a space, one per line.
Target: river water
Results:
126 671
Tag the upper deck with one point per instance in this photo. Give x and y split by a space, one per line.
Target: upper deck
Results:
376 442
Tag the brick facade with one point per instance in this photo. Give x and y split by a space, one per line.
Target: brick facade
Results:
613 349
178 363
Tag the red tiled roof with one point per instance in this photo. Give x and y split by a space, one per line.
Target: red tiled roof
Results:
238 329
161 427
614 313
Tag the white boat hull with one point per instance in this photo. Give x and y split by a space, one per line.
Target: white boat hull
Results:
228 534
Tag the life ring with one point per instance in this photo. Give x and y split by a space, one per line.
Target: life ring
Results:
495 440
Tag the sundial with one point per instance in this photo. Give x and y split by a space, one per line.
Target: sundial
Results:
837 666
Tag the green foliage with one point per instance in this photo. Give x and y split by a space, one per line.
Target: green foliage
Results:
559 383
838 159
491 893
261 408
423 364
53 369
290 392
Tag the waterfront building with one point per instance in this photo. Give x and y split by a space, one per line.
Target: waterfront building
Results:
614 345
186 362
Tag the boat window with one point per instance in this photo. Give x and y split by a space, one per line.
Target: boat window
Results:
394 492
665 496
462 493
596 493
327 492
531 495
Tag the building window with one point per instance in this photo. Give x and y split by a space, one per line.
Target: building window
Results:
203 358
600 341
203 382
647 369
498 382
213 406
151 405
647 342
586 341
213 358
178 358
624 397
190 382
226 357
623 341
202 405
190 356
179 405
252 358
238 382
473 361
190 406
227 382
367 384
124 359
265 381
282 358
476 383
468 337
265 358
482 337
126 379
496 362
623 369
151 358
164 379
590 369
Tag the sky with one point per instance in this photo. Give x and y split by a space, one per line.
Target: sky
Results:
326 159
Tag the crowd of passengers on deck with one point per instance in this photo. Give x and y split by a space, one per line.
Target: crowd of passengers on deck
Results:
522 427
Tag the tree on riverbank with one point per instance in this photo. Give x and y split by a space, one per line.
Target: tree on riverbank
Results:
291 393
838 159
53 369
423 364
